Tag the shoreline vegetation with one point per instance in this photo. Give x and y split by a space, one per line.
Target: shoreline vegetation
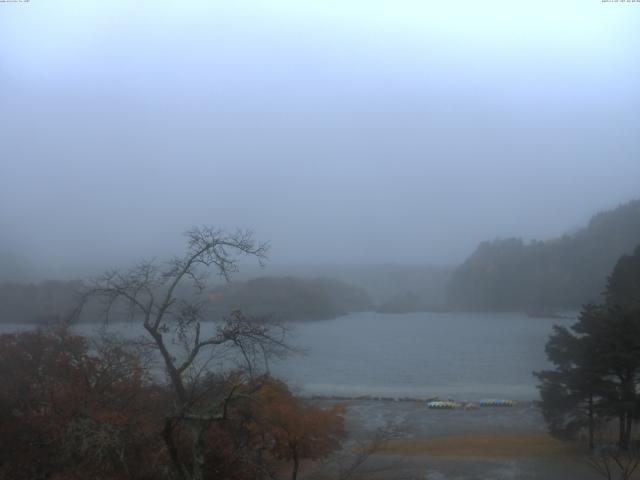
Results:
544 280
546 276
428 429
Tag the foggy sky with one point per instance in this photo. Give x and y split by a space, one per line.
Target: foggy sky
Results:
341 131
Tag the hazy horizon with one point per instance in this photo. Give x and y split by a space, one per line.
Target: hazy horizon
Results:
352 132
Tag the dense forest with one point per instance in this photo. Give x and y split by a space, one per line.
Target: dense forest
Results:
542 276
45 302
596 366
286 298
384 283
289 298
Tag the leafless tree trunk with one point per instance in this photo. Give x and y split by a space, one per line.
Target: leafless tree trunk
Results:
296 464
150 293
615 463
351 463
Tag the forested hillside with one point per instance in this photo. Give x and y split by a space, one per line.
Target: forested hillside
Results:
539 276
289 298
45 302
286 298
384 283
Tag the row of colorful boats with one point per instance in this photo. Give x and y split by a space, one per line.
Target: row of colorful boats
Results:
488 402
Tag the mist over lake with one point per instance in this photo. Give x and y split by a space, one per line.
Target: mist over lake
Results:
317 240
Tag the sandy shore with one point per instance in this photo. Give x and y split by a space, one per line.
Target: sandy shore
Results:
479 444
481 447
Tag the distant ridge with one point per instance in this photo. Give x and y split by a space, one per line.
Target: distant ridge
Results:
288 298
539 276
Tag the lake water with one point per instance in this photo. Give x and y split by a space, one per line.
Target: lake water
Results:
465 356
458 355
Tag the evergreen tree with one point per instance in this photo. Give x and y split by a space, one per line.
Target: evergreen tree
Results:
572 393
597 362
623 285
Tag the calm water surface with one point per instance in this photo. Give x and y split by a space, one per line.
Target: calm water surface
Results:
457 355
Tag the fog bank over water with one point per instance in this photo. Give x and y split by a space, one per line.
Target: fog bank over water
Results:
349 132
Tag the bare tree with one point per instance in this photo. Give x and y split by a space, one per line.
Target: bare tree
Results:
168 300
614 463
352 462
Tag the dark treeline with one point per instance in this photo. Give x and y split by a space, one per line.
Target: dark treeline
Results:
388 285
45 302
597 364
289 298
285 298
541 276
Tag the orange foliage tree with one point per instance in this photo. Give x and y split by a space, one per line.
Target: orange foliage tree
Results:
296 429
72 409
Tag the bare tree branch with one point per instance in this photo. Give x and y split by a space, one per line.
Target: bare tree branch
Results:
167 299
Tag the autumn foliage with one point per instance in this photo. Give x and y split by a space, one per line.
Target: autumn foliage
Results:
71 408
297 429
